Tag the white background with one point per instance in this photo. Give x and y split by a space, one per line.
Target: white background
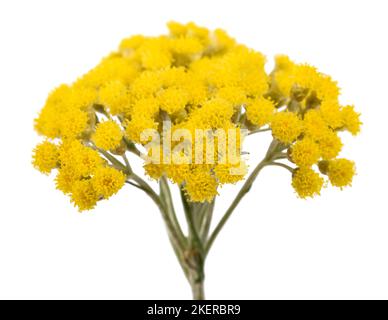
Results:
275 246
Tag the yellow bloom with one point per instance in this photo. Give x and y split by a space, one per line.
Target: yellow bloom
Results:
74 123
313 125
197 79
107 181
201 186
331 114
233 95
215 113
306 182
305 152
351 120
230 173
45 157
177 29
66 177
79 159
286 126
173 100
130 44
108 135
137 126
186 46
154 54
177 173
260 111
114 95
154 170
329 144
147 107
341 172
84 195
222 41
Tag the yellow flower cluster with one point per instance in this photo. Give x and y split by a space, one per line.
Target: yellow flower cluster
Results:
310 125
196 79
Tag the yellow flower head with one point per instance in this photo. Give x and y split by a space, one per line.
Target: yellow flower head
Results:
329 144
260 111
230 173
306 182
233 95
286 126
83 195
139 125
107 181
351 120
79 159
173 100
305 152
341 172
114 95
313 125
201 186
45 157
108 135
331 114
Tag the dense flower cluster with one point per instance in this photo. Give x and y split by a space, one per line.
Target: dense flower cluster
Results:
197 79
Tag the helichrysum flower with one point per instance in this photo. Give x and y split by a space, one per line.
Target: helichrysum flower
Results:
329 144
341 172
307 182
286 126
108 135
351 120
173 100
107 181
83 195
197 79
305 152
114 96
201 186
260 111
45 157
230 173
331 114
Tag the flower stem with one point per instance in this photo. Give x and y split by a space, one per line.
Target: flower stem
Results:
198 289
272 150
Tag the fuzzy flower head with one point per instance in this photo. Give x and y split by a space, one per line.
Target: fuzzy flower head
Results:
305 152
286 127
107 181
201 186
307 182
260 111
45 157
108 135
339 171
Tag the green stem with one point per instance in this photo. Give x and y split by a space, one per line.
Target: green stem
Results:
259 130
279 164
166 196
273 148
198 290
206 221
